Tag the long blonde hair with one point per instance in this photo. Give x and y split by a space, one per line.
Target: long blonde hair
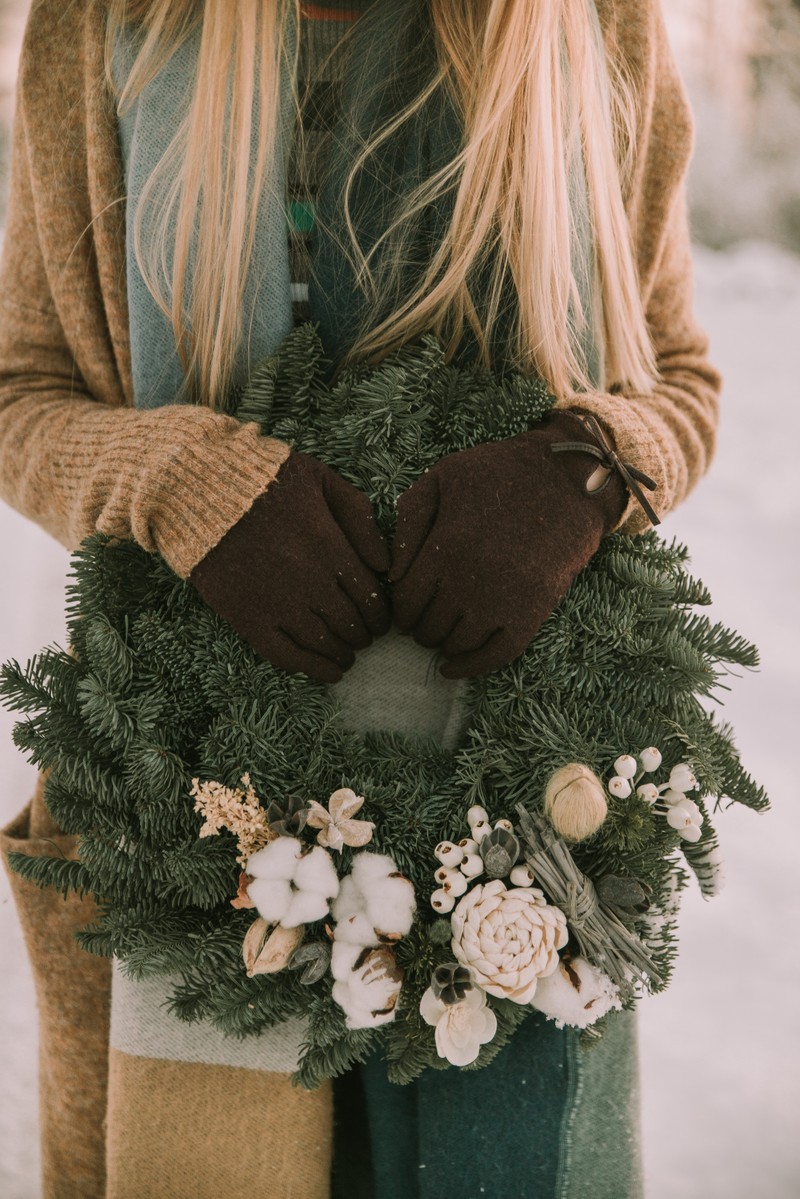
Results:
533 86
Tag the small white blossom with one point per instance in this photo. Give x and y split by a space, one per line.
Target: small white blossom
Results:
461 1028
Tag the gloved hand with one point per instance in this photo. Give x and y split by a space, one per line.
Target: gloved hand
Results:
490 538
297 575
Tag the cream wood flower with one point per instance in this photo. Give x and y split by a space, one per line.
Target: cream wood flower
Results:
461 1028
336 824
509 938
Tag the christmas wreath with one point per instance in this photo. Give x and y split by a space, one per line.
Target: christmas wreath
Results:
237 835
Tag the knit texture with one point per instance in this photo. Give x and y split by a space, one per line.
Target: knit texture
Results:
74 457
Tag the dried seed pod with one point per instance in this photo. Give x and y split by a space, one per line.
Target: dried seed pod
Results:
456 885
442 901
472 866
451 982
575 802
522 875
477 815
626 897
499 850
313 960
448 853
287 817
267 948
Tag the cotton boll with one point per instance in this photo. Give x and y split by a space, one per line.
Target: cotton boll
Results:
272 897
558 998
304 908
349 901
391 905
356 930
278 859
343 959
316 872
371 867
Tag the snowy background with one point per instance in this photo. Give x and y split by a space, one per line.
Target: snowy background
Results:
720 1048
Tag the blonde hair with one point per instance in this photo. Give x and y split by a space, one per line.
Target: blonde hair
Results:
535 91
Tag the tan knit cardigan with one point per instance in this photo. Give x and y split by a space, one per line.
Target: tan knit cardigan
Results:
75 456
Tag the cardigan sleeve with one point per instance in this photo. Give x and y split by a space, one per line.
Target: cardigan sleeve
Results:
174 479
670 433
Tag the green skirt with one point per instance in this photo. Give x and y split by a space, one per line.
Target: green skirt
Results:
549 1119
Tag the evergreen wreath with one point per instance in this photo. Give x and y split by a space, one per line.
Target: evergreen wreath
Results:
404 894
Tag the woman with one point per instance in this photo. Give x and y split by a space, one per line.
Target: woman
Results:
508 174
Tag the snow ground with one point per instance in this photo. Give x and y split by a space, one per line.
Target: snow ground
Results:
720 1048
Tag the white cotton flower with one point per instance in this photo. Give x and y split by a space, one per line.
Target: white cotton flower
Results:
292 884
349 901
619 786
461 1028
625 766
577 995
355 930
650 759
391 905
375 889
648 792
681 778
366 988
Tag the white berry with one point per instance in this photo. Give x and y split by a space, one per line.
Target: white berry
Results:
477 815
619 786
442 902
481 830
648 792
472 865
625 766
521 875
467 845
448 853
506 824
456 885
444 874
650 758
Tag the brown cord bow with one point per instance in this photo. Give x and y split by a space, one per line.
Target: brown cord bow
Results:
609 457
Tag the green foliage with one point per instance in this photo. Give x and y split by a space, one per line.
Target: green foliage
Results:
159 690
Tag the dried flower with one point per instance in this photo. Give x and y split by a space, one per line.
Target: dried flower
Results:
508 938
451 981
376 889
576 994
233 808
368 984
292 883
461 1028
336 824
267 948
499 851
575 802
313 960
287 817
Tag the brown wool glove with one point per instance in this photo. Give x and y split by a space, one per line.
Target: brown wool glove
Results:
489 540
297 575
